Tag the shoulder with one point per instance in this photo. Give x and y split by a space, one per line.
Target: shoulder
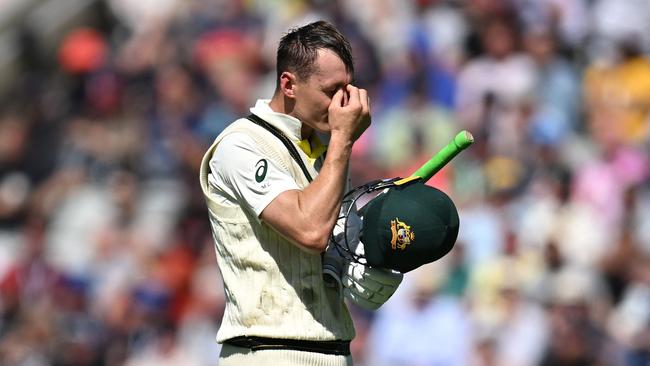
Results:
238 151
234 141
241 134
235 150
245 131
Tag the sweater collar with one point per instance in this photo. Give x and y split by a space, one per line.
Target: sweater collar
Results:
291 127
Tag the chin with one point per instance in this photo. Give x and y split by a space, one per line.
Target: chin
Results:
323 127
319 125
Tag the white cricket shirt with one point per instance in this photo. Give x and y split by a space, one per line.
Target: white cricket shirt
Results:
243 174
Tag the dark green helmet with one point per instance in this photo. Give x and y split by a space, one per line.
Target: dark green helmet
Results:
407 226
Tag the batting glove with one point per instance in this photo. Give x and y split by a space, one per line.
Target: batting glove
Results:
368 287
333 262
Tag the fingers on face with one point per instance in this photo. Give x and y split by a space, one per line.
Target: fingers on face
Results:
353 93
339 98
365 101
353 97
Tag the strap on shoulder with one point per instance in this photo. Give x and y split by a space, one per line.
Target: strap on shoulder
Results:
285 140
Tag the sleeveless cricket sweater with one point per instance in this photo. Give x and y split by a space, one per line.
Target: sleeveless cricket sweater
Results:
273 288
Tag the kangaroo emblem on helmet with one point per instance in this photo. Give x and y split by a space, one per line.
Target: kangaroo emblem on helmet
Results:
402 234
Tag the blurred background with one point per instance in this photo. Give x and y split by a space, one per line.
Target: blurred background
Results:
106 107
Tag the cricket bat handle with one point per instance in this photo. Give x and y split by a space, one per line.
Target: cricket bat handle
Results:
460 142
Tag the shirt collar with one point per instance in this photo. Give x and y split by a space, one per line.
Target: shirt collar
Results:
291 127
313 147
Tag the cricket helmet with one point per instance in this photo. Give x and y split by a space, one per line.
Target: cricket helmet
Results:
407 225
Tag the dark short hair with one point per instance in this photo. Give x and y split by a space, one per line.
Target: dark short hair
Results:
299 47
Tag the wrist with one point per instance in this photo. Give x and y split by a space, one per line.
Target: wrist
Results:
341 135
340 140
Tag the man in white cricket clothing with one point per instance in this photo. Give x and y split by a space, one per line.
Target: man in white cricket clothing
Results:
274 193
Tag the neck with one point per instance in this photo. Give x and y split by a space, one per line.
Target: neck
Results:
280 104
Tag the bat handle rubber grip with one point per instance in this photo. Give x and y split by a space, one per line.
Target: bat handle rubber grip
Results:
460 142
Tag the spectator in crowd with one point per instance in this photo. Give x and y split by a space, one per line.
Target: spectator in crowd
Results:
105 251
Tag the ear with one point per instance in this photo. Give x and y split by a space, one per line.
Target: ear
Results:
288 84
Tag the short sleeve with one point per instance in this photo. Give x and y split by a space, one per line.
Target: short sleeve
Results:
244 172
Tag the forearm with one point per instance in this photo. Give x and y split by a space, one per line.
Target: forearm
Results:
319 203
306 217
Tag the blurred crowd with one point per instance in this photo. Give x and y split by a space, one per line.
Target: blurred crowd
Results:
106 255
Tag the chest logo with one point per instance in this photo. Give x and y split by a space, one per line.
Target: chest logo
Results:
402 234
260 173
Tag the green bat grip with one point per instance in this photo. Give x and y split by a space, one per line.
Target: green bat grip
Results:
462 140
